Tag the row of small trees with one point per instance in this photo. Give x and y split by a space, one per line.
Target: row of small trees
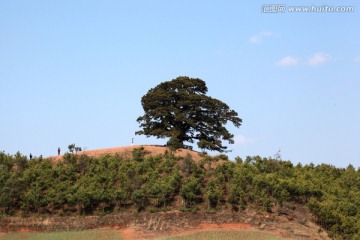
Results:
84 185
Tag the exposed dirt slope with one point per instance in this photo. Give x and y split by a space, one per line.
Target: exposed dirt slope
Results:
126 151
133 226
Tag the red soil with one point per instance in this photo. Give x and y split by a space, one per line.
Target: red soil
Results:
126 151
25 230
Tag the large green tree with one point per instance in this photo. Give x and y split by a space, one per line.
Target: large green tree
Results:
180 110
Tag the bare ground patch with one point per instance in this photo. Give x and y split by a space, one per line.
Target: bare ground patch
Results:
126 152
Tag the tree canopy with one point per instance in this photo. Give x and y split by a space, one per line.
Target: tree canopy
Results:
181 110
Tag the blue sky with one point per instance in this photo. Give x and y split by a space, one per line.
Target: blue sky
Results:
75 72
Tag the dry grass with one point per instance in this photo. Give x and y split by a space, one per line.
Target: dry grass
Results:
126 152
112 234
103 234
224 235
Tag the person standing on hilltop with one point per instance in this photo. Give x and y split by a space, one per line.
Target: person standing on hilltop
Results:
30 156
59 151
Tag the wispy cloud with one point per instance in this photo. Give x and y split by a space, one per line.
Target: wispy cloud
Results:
318 58
288 61
241 140
258 38
255 39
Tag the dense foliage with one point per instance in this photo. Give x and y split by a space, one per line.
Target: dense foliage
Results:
84 185
180 110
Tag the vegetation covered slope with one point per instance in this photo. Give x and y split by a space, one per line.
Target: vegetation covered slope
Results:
80 184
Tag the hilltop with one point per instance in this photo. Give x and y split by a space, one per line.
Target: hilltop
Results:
126 152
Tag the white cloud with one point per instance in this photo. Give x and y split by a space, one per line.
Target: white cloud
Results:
241 140
255 40
288 61
318 59
258 38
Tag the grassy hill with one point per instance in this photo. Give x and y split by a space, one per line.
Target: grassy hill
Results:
263 192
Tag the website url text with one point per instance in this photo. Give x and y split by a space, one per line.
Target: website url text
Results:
282 8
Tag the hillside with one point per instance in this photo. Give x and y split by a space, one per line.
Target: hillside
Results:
150 188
